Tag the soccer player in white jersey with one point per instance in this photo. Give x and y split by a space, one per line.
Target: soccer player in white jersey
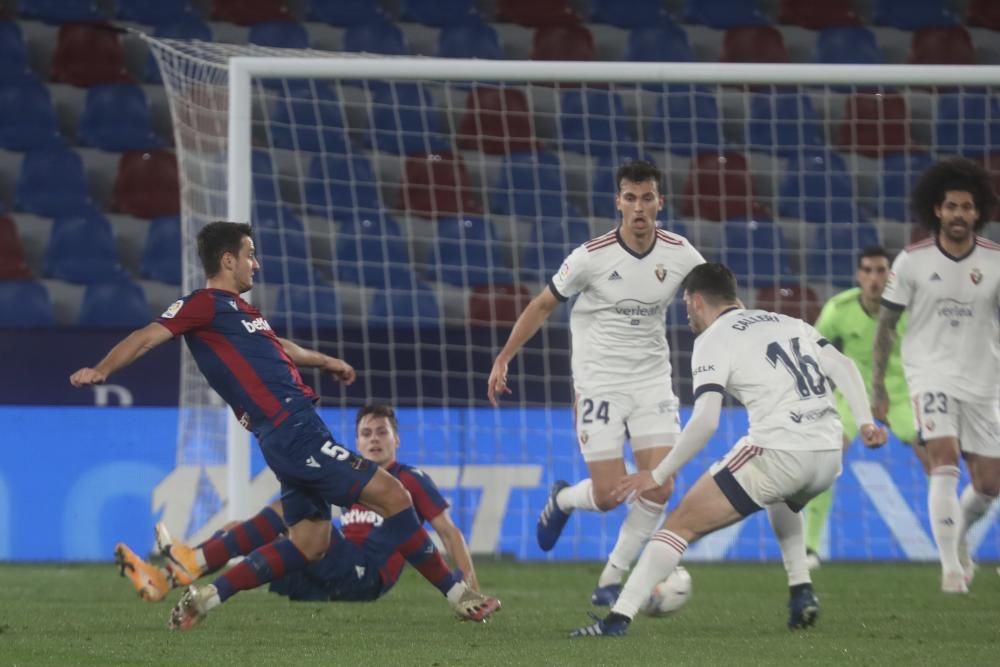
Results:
621 365
950 284
777 366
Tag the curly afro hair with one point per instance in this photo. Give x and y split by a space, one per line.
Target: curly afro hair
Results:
949 175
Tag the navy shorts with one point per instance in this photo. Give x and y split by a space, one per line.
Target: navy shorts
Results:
315 472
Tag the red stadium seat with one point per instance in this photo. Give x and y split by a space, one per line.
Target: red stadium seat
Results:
818 15
536 13
249 12
753 44
497 121
13 265
875 124
984 14
950 45
719 188
497 305
563 42
793 300
437 185
87 54
147 185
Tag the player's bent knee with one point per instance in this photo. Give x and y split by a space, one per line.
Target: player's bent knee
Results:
661 494
605 502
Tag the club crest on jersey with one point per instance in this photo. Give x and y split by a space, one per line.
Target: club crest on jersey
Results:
171 312
976 276
584 437
661 273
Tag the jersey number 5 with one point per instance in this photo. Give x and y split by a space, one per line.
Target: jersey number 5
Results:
336 452
809 379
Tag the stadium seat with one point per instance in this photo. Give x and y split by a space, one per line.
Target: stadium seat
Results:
789 299
116 117
497 121
594 122
380 36
265 182
563 42
310 118
86 55
161 253
52 183
984 14
27 116
473 39
783 123
535 14
405 308
61 11
603 188
531 185
13 54
942 46
816 187
406 121
753 44
724 14
874 125
912 14
966 123
756 253
818 15
466 253
82 249
13 265
114 305
686 122
719 188
154 13
344 12
301 307
341 188
282 247
372 252
191 27
900 172
249 12
437 184
439 13
282 34
638 13
833 252
497 305
147 184
552 240
665 42
851 45
24 304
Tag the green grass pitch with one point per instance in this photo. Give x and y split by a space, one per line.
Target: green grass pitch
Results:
872 614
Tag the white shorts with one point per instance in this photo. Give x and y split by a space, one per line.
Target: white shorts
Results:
976 425
604 420
753 477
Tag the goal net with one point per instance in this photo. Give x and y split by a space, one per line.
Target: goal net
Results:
405 210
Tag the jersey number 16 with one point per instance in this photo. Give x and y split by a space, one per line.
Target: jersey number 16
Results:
809 379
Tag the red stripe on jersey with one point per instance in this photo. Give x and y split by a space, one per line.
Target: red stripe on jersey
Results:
667 238
603 244
986 243
926 243
270 335
197 311
599 239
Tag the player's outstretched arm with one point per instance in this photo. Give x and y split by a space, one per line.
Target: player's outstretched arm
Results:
454 544
885 339
304 358
526 326
133 346
847 377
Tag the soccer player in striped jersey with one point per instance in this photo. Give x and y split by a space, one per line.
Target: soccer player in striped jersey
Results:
256 374
621 365
777 366
950 286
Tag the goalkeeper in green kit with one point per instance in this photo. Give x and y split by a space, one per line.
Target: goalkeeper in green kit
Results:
849 320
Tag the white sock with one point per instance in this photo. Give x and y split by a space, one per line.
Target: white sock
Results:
456 591
946 515
661 556
580 496
788 528
974 506
644 516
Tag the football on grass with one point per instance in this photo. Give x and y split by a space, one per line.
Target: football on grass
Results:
669 595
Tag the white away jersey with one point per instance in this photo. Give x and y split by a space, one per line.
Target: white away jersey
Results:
770 363
951 341
619 321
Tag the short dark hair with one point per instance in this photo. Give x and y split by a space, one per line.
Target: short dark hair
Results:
874 251
712 280
216 239
377 410
952 174
638 171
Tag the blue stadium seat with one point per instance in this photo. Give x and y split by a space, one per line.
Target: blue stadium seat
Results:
154 13
52 183
27 117
662 42
439 13
552 240
371 251
82 249
300 307
116 118
191 27
282 246
309 119
279 35
756 252
405 121
851 45
24 304
603 188
474 39
341 187
636 14
817 187
530 185
686 122
466 253
833 251
344 12
13 55
783 123
594 122
967 123
161 253
723 14
61 11
912 14
405 309
900 172
265 182
380 36
120 304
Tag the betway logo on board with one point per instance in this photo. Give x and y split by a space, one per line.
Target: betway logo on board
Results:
259 324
